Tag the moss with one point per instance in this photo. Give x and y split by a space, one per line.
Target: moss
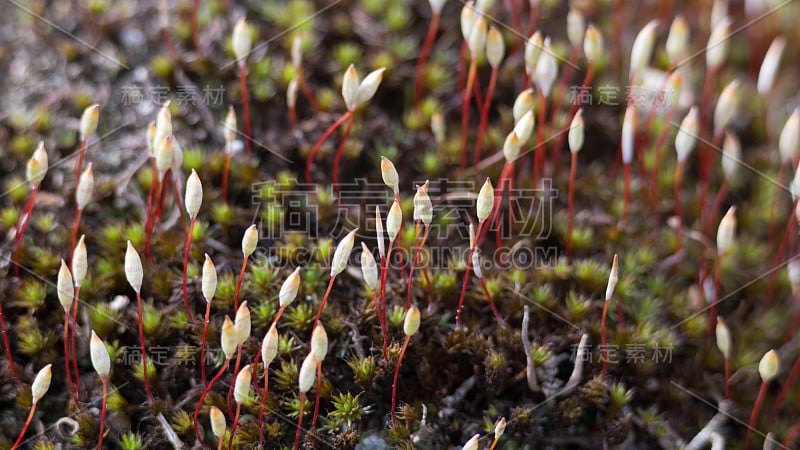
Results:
161 66
347 53
300 317
222 214
364 370
152 321
31 295
131 441
34 341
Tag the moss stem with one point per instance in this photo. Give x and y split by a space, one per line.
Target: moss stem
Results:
239 285
73 331
66 358
234 425
246 108
22 227
321 140
754 413
144 350
570 194
473 69
466 277
317 394
484 117
25 427
419 75
185 265
263 404
103 413
396 373
337 159
203 344
203 396
299 420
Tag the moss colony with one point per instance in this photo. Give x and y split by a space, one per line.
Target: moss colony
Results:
389 224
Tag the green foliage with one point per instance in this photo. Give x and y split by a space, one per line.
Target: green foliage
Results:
131 441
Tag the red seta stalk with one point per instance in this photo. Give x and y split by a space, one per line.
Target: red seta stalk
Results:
417 248
66 358
316 400
716 205
626 189
235 374
321 140
504 184
178 205
704 152
103 413
538 157
75 226
25 427
239 285
263 404
473 69
466 277
258 353
235 424
462 64
603 336
587 80
153 215
203 396
712 311
380 311
792 436
337 159
617 13
75 372
790 380
149 210
787 236
678 212
162 192
484 116
292 117
245 108
532 13
423 57
491 301
22 227
397 372
185 265
300 420
754 414
301 80
383 297
225 171
79 163
141 343
570 194
778 185
324 300
203 344
7 346
564 79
